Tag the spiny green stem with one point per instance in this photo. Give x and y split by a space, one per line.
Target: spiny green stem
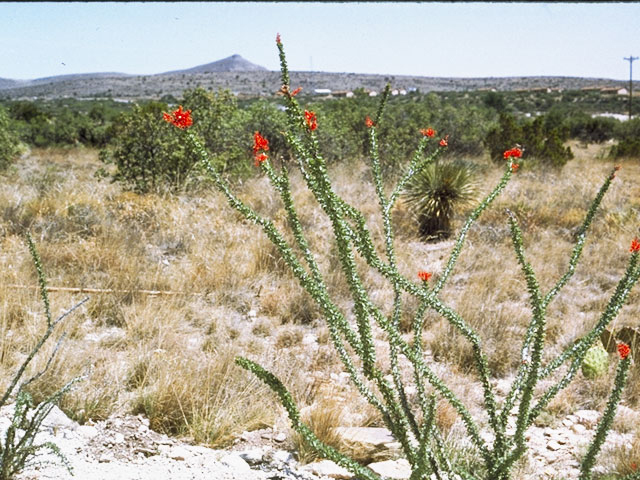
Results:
606 421
42 281
294 415
388 236
455 253
579 349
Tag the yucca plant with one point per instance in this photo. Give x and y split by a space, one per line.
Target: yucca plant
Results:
434 193
413 422
17 448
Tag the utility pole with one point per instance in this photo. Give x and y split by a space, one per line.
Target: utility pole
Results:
630 59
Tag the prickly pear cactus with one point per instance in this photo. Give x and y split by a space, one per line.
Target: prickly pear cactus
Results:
596 362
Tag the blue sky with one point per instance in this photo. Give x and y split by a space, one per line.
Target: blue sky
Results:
430 39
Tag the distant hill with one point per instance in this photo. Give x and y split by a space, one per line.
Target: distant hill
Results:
247 79
8 83
75 77
234 63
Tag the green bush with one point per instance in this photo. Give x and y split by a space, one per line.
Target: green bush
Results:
542 138
64 121
147 153
265 117
503 137
628 134
592 130
496 101
221 125
9 143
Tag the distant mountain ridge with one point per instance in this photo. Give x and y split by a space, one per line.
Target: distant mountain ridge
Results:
247 79
234 63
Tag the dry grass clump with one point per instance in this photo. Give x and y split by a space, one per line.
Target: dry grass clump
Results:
322 418
626 460
214 402
170 355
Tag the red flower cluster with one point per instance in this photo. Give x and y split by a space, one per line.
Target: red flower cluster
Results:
278 39
311 120
179 118
260 145
623 350
445 141
635 245
296 91
368 122
514 152
428 132
424 276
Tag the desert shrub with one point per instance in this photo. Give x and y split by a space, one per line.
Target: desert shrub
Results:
220 123
436 191
542 138
496 101
58 125
591 130
147 154
504 136
265 117
626 148
628 134
345 134
9 143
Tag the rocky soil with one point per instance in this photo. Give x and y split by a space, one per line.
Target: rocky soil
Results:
124 448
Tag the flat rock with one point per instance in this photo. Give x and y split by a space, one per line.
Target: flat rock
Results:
282 456
366 436
578 428
330 469
58 419
588 418
252 456
87 431
235 462
395 469
179 453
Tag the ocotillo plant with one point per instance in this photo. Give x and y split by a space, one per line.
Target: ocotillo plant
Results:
413 424
17 448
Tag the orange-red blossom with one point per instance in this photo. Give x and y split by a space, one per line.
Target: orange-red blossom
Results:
311 120
514 152
623 350
179 118
424 276
260 145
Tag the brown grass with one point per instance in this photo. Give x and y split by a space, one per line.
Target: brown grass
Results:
172 357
